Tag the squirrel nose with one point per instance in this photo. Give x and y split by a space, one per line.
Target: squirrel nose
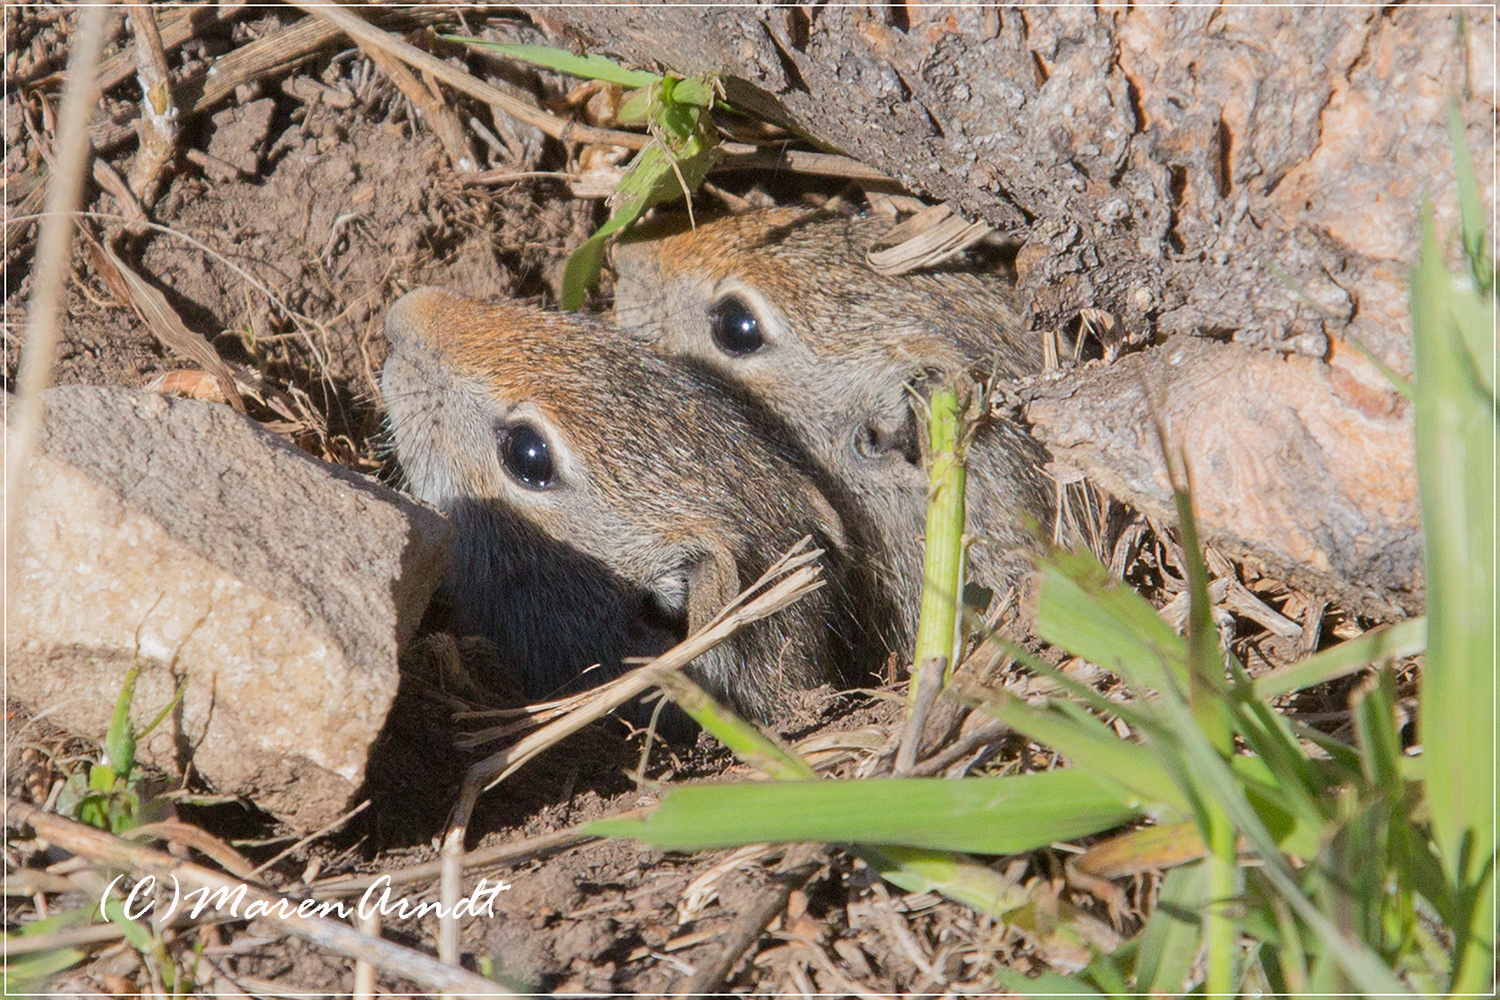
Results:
879 440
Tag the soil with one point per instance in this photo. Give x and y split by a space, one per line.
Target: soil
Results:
282 247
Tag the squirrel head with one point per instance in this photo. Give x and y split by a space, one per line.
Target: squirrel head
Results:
782 302
609 499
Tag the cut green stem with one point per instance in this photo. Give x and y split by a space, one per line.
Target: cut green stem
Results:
942 566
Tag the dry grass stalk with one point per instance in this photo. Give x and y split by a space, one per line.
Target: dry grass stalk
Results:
64 193
157 313
500 854
439 117
742 156
23 198
110 180
802 862
929 686
322 832
175 25
364 972
562 129
105 849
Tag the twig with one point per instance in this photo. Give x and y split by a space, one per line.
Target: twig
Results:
107 849
743 156
561 129
177 25
116 186
178 832
439 117
64 192
158 121
500 854
216 169
982 735
201 90
929 684
364 972
74 937
314 836
802 862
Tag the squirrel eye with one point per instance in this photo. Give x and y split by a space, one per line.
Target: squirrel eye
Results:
735 327
526 457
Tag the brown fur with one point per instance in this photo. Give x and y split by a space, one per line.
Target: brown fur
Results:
843 346
669 498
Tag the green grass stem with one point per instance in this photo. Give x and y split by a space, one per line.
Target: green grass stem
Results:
942 567
1455 431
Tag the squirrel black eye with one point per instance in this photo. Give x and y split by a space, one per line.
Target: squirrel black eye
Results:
735 327
525 455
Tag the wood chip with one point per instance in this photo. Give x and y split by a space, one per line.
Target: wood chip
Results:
926 239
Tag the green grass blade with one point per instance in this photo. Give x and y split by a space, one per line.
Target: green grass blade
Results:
1391 642
28 976
1048 984
589 67
1471 211
1082 694
1377 735
1103 621
956 876
1211 774
119 741
744 740
1004 815
654 176
1455 470
1173 933
950 874
1206 701
582 270
1092 746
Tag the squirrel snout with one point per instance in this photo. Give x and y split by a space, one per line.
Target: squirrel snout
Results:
417 317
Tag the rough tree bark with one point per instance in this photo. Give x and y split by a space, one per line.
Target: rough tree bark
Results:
1243 174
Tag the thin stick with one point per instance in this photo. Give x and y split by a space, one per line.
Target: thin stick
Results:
107 849
743 156
64 192
439 117
928 683
314 836
562 129
76 937
500 854
802 863
364 972
158 113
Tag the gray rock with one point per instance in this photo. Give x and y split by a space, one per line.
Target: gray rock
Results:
278 586
1302 469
